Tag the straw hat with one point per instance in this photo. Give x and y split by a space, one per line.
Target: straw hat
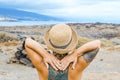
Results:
61 39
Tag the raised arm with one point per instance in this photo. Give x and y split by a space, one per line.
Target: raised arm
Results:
33 47
88 51
88 47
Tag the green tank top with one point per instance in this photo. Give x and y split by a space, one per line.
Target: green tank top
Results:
57 75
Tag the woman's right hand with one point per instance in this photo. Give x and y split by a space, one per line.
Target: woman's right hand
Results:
52 60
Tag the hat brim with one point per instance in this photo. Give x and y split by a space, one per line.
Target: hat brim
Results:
69 48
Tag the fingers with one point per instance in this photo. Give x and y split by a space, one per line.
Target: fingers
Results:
57 63
53 65
74 63
67 60
61 65
54 62
64 65
47 65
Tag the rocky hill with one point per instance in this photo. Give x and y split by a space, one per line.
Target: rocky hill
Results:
10 14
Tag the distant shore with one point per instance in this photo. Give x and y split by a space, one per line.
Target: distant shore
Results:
32 23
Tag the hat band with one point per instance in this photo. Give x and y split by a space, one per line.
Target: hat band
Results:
60 47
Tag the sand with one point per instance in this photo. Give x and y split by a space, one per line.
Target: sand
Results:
105 66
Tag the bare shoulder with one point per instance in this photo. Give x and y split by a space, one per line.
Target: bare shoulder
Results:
90 55
85 60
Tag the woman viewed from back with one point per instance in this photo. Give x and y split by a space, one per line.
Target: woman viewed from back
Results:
65 62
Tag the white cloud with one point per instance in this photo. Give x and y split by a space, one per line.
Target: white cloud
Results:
69 8
100 9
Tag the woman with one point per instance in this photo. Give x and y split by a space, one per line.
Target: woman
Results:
66 62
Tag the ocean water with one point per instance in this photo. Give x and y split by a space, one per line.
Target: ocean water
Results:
28 23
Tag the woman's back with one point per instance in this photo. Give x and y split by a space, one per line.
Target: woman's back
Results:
69 73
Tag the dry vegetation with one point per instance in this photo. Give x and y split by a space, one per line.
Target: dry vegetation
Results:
104 42
8 39
11 43
113 48
4 36
82 40
88 32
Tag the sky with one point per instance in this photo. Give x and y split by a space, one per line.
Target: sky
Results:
77 10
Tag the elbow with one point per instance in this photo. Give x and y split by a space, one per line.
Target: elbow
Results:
28 42
98 43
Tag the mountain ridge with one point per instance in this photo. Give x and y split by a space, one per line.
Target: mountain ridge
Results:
10 14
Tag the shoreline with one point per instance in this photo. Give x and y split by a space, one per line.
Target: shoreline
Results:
38 23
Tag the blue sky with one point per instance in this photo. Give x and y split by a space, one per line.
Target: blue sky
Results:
92 10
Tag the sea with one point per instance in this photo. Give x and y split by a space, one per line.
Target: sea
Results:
30 23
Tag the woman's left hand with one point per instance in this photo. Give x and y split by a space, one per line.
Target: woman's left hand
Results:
67 60
52 60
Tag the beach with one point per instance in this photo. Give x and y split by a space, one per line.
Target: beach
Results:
105 66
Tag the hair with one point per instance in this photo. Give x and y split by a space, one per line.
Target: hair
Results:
60 56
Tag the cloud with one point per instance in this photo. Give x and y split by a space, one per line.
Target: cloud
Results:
99 9
38 3
73 9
